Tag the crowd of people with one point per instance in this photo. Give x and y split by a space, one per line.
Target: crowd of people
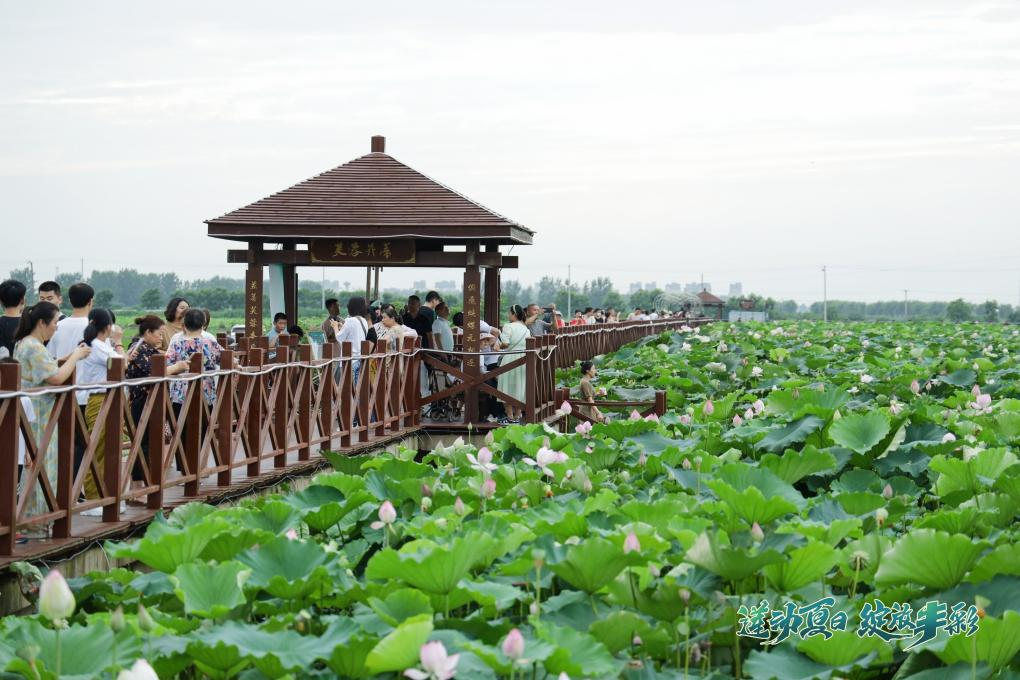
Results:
50 346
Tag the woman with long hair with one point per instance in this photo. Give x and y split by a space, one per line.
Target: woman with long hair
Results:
174 314
181 350
143 349
103 336
38 369
513 383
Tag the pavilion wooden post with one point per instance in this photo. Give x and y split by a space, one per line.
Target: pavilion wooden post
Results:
193 427
253 294
113 426
492 290
472 314
157 443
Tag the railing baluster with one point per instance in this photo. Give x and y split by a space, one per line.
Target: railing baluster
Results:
10 425
113 425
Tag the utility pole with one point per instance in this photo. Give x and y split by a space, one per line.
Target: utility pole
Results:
905 311
31 272
570 312
825 294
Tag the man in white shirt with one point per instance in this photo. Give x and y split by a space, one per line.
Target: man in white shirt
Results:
441 330
71 329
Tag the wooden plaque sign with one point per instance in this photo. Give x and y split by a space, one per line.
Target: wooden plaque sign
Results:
362 251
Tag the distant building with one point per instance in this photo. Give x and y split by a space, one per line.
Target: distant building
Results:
420 285
674 287
650 285
446 285
736 289
635 287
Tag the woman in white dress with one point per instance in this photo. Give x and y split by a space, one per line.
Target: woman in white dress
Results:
514 383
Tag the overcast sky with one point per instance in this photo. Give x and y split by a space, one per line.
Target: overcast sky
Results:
746 141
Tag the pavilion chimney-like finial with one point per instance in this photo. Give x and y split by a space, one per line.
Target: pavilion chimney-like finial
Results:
378 144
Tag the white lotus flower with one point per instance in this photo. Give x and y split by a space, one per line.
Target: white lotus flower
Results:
948 437
758 406
544 458
141 670
756 371
748 414
982 403
435 662
483 462
387 515
631 543
867 379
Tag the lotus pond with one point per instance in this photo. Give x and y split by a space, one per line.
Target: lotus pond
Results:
821 501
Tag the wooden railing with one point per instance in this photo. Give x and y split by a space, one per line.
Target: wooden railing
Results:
268 417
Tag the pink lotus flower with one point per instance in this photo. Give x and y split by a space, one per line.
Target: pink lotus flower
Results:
652 418
685 419
387 515
544 458
642 460
686 465
915 387
489 488
583 429
435 662
976 391
566 408
757 535
513 645
636 640
483 462
709 408
291 535
634 415
981 403
749 414
458 507
56 601
631 543
887 491
737 421
758 406
895 407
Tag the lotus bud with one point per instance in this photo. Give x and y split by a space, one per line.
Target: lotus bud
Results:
458 507
291 535
56 601
757 535
489 488
489 438
654 571
915 387
587 486
563 676
117 622
566 408
975 390
697 462
881 515
513 645
685 419
145 622
709 408
737 421
887 491
426 490
636 641
685 595
29 653
631 543
634 415
533 609
426 504
642 459
387 513
686 464
836 415
749 414
141 670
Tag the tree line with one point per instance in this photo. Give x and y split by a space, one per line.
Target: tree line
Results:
131 289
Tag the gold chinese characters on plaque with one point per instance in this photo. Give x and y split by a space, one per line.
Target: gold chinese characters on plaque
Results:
362 251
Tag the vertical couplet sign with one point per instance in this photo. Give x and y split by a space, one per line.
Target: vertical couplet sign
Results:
253 302
472 314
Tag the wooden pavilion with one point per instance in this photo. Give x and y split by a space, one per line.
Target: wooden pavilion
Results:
709 301
372 212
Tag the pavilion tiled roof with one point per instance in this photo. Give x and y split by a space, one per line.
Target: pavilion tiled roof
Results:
709 299
373 191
